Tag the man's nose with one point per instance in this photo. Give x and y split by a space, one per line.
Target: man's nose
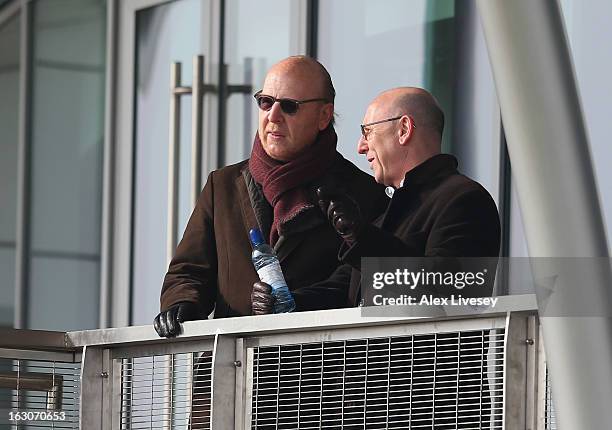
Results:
362 145
275 114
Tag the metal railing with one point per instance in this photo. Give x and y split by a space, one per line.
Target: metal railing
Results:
325 369
39 373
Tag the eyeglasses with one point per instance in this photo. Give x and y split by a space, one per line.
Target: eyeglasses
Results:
289 106
365 131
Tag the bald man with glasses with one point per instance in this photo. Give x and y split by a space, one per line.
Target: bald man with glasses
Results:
294 152
433 210
436 214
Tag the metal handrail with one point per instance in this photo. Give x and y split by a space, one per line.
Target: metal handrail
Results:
33 339
110 358
291 322
73 341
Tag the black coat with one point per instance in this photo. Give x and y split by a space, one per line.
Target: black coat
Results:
437 212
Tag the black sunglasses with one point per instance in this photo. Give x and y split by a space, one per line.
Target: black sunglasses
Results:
289 106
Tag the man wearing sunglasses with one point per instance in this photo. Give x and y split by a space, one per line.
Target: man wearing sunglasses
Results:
294 152
433 211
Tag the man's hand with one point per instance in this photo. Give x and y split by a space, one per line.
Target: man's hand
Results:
168 322
342 212
262 301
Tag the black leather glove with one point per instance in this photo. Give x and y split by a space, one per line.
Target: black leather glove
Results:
168 322
342 212
262 300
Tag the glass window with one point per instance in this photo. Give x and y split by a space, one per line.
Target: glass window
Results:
9 120
67 126
587 28
257 35
171 32
369 46
66 293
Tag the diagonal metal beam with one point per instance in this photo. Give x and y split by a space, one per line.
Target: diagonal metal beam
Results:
553 172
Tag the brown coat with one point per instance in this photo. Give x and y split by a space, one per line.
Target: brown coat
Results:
212 264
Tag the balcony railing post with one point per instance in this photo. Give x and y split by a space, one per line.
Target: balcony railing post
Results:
94 381
223 383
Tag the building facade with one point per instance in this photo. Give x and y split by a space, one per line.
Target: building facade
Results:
85 125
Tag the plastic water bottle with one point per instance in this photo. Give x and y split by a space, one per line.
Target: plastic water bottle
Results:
269 270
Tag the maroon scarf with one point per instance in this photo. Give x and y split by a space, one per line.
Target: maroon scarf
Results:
284 184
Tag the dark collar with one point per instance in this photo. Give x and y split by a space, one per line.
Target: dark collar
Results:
436 167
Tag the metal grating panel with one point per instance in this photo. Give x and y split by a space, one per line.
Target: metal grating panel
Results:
161 392
40 386
442 381
550 420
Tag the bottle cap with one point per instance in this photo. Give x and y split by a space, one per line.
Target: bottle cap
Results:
256 237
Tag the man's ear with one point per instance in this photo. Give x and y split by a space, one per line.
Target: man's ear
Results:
406 129
326 114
